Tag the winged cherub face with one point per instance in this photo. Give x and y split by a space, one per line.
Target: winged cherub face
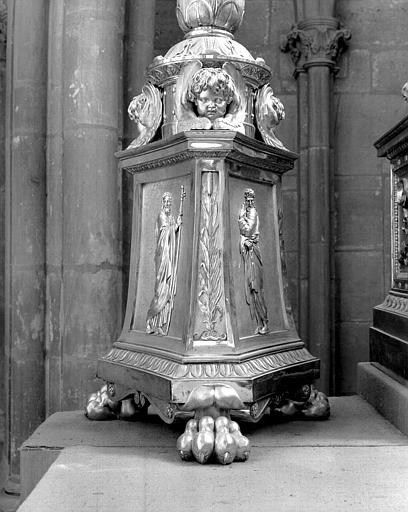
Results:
211 90
210 104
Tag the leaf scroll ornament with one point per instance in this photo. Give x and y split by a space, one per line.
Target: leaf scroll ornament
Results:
210 270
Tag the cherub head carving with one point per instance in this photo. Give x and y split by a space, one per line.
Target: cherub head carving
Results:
212 90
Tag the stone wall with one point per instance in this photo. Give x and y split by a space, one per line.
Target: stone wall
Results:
367 102
3 26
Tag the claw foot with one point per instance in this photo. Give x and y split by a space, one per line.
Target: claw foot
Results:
101 407
206 439
314 406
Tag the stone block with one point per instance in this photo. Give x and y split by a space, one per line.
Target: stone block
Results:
360 120
290 180
290 224
28 99
389 70
356 198
286 131
387 394
288 82
255 28
66 429
282 15
167 32
374 23
352 348
355 72
136 467
360 284
91 170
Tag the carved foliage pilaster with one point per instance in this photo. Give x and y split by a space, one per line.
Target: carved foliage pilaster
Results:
210 297
316 43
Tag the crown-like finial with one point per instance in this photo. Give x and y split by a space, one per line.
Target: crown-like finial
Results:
224 14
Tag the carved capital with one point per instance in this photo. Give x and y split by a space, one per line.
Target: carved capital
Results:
3 22
315 42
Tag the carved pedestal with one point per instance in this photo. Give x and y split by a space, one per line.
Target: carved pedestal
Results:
384 381
389 333
208 331
225 339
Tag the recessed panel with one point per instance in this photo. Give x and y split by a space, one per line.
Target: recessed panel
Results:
164 265
255 258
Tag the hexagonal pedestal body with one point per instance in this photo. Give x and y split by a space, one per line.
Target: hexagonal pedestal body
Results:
208 325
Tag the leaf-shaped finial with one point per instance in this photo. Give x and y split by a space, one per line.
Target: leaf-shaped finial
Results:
225 14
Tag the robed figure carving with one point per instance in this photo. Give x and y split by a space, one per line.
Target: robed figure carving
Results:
168 234
248 222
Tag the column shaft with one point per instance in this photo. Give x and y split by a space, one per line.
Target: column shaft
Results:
303 199
315 44
25 220
139 49
319 174
84 282
3 33
55 149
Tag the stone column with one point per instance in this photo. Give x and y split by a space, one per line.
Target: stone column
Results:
84 194
139 48
3 398
315 43
138 55
25 220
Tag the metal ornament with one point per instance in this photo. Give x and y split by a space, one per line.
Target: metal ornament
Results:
168 234
146 111
269 113
248 222
208 81
210 291
208 336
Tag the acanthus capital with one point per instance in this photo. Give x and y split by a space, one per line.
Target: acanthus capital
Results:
316 42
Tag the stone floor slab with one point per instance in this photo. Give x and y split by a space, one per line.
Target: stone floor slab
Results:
353 422
289 479
355 461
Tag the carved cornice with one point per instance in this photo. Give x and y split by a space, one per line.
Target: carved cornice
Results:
172 160
395 141
3 22
273 163
250 369
316 42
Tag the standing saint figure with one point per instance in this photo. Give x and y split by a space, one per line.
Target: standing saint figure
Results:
248 222
166 262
